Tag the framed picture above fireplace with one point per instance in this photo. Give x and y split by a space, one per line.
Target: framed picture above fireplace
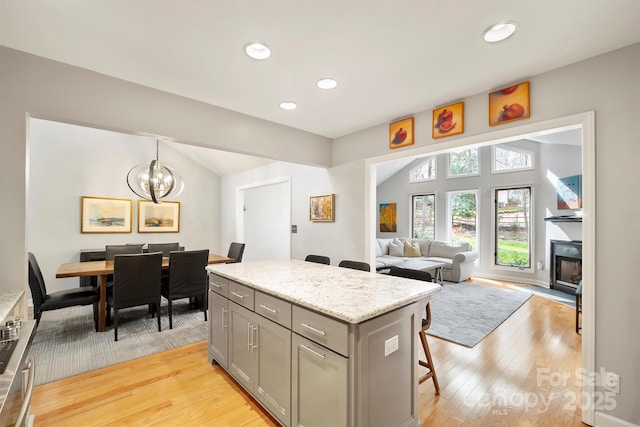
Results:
570 192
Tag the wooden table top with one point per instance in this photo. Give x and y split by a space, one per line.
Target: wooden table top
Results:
99 268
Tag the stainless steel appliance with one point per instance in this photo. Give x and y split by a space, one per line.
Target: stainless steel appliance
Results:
17 373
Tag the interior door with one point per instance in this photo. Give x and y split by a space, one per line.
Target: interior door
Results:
267 222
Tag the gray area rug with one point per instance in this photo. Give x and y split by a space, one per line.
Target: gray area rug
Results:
66 344
465 313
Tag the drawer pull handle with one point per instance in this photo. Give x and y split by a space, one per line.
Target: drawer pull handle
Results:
312 351
311 328
237 295
216 285
269 309
224 318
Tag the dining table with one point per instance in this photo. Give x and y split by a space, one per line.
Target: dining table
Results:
102 269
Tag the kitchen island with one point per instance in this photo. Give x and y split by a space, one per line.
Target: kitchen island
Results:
319 345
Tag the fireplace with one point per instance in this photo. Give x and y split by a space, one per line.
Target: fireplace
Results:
566 265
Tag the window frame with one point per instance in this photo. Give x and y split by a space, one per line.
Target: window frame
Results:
517 150
420 165
477 173
449 227
494 231
435 201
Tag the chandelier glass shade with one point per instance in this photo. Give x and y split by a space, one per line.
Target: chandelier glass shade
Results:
155 181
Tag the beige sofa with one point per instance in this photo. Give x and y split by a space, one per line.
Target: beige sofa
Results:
458 258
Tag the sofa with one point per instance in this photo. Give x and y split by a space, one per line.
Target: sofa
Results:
458 257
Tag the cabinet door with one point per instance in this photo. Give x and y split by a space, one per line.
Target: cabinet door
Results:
242 345
218 328
319 385
273 379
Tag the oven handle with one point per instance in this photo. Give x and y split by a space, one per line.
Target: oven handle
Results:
30 366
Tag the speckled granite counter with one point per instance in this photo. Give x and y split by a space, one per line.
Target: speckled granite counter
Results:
350 295
8 301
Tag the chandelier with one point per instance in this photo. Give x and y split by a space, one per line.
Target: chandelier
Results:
155 181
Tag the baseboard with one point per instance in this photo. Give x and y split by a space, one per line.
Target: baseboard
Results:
606 420
542 283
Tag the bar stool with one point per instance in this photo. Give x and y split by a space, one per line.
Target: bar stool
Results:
425 346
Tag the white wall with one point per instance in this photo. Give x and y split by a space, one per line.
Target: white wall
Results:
67 162
560 160
337 240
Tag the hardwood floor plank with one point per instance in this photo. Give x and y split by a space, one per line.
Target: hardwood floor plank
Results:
482 386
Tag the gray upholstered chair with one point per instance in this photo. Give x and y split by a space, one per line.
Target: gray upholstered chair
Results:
136 281
43 301
320 259
187 278
236 250
355 265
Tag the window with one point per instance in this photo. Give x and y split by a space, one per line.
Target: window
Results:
425 171
464 162
513 227
463 212
423 216
510 159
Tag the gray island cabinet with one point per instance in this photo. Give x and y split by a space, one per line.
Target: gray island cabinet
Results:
318 345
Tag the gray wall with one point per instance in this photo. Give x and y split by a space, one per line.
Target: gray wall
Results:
609 85
559 160
78 161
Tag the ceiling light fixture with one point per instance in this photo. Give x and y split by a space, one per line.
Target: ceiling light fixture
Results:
257 50
155 181
288 105
327 83
500 31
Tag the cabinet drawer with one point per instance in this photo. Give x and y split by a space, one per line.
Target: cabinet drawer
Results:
273 309
241 294
324 330
219 284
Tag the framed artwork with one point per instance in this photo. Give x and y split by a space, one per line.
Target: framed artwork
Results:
401 133
105 215
158 217
509 104
388 218
570 192
322 208
448 121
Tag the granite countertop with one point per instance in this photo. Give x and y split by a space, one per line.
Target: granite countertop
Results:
350 295
8 301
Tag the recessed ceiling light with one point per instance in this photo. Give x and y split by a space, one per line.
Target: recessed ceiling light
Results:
500 31
327 83
288 105
257 50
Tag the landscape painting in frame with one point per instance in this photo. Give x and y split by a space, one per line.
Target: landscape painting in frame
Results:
509 104
448 121
570 192
105 215
401 133
322 208
158 217
388 218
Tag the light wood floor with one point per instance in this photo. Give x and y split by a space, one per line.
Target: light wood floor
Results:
508 379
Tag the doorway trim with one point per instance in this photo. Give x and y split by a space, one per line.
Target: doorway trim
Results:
584 121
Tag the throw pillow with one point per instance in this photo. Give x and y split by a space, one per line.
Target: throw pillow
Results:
412 249
396 249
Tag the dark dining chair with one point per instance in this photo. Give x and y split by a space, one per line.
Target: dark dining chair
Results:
320 259
43 301
187 278
426 323
136 281
236 250
113 250
165 248
355 265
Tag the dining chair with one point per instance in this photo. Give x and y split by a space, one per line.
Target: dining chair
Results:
136 281
113 250
320 259
44 301
165 248
187 278
236 250
426 323
355 265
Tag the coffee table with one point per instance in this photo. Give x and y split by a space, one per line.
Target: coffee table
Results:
424 265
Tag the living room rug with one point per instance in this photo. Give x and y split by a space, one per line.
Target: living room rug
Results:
465 313
66 343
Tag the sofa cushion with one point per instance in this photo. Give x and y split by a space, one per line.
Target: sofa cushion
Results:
448 263
411 249
382 247
396 249
424 245
446 249
388 261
